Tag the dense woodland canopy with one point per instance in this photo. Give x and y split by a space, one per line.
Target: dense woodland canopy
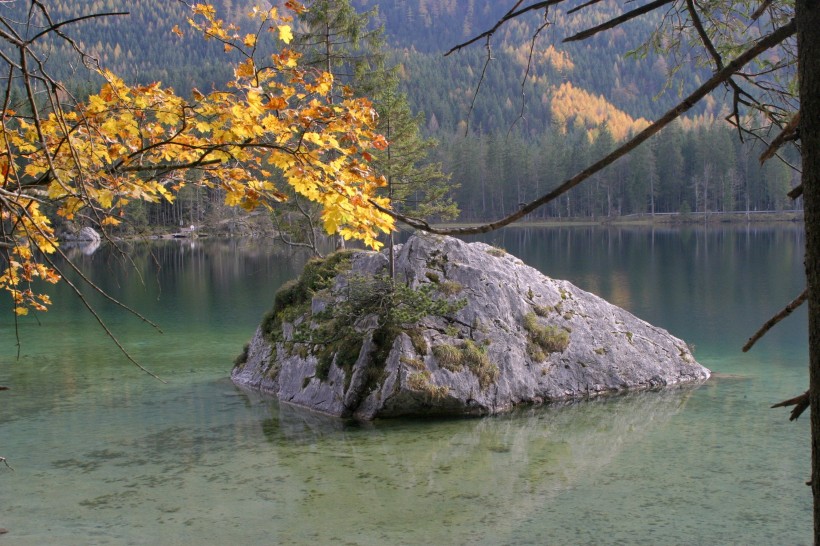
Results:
503 142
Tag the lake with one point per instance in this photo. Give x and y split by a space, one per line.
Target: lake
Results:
105 454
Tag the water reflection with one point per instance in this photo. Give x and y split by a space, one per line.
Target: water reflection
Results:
105 454
320 480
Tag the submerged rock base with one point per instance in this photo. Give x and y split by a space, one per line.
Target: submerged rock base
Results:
473 331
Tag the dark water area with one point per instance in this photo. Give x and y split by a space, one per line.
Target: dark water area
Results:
104 454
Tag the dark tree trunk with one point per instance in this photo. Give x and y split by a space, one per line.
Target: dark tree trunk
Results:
808 44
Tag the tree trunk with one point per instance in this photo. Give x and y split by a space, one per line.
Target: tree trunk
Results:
808 45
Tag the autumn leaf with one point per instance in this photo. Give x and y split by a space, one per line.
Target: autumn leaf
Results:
285 33
380 143
274 116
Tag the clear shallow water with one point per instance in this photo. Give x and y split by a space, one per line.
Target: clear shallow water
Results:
104 454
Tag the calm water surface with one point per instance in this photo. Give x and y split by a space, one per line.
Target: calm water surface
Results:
104 454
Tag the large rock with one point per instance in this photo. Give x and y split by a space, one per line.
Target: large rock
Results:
507 336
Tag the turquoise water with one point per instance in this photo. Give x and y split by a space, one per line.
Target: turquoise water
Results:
104 454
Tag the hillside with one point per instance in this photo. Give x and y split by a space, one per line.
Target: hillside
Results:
141 47
577 100
421 31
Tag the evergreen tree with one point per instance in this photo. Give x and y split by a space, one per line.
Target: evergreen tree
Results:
332 36
416 187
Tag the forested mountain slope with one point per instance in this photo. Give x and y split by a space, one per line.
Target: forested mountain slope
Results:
576 101
141 46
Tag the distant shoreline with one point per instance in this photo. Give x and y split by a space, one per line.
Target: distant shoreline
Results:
658 219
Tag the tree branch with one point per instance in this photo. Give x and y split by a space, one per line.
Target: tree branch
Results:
509 15
582 6
800 404
480 81
55 27
767 42
785 312
789 133
535 35
618 20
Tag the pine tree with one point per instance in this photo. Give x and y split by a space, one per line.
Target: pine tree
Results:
416 187
333 37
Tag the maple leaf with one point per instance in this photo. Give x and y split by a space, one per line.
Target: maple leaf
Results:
285 33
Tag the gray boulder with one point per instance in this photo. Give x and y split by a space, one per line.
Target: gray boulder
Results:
476 332
88 234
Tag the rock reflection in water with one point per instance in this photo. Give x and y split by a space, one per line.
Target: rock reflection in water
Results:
452 475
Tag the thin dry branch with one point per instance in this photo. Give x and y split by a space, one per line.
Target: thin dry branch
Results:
761 10
582 6
788 134
637 12
5 462
512 14
535 35
785 312
800 403
56 26
765 43
480 81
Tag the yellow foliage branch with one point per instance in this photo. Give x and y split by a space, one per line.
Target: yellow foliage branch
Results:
130 142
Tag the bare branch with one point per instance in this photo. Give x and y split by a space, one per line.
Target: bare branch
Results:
618 20
761 9
767 42
789 133
543 25
509 15
582 6
704 38
800 403
55 27
785 312
477 87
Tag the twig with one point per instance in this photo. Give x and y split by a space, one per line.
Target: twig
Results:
785 312
5 462
800 404
544 25
480 81
788 133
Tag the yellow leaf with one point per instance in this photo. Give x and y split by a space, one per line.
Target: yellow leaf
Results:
285 33
21 311
245 69
250 40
